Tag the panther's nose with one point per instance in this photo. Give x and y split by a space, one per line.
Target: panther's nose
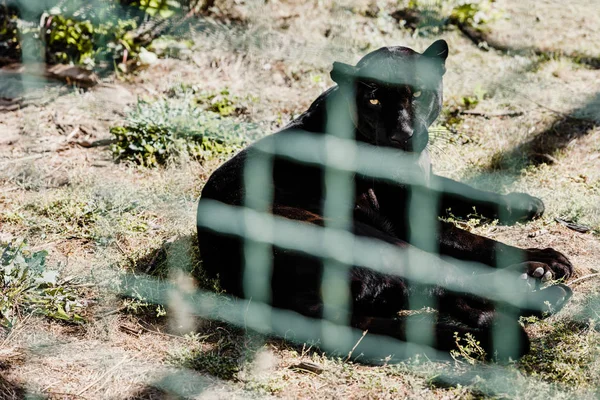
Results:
402 141
402 137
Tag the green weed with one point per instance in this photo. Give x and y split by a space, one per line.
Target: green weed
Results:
10 47
82 42
29 287
432 16
467 350
168 130
222 103
567 354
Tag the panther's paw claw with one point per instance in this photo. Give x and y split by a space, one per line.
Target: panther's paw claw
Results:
554 264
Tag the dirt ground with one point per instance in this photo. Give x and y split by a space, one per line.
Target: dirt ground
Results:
538 101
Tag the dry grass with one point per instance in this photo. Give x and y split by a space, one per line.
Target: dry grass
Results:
101 219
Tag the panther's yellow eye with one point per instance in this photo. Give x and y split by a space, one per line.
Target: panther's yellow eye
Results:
417 94
374 101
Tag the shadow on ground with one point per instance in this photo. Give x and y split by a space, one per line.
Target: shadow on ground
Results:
9 389
543 145
218 349
484 41
416 19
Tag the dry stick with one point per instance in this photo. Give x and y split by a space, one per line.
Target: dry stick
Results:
16 160
356 345
50 385
562 114
14 332
112 312
82 391
583 278
157 332
492 114
65 394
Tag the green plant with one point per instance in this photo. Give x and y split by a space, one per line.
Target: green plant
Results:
467 350
166 130
10 47
28 286
222 103
82 42
434 14
162 8
472 12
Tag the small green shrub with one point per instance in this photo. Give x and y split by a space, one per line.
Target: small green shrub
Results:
84 43
222 103
434 15
167 130
472 12
10 47
468 350
162 8
28 286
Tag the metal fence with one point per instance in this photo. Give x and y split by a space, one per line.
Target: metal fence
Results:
340 158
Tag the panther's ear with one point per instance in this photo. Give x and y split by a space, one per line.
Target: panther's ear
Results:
343 73
438 50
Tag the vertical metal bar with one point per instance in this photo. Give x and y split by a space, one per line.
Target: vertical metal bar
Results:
422 222
338 207
257 264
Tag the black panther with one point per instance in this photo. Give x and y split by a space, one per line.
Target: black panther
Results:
389 99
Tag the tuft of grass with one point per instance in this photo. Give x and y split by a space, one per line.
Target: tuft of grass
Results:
228 353
94 214
169 130
29 287
568 354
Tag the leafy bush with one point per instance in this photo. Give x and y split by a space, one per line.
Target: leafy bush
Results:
432 15
84 43
10 48
27 286
105 34
168 129
222 103
162 8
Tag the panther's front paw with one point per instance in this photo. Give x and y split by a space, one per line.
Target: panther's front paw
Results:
548 264
521 207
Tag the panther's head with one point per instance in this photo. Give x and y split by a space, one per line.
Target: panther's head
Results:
395 94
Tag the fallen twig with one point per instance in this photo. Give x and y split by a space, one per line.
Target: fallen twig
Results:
307 366
82 391
583 278
14 332
111 312
493 114
65 394
356 345
574 227
96 143
16 160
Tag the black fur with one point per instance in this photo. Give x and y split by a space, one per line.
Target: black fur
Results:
390 97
